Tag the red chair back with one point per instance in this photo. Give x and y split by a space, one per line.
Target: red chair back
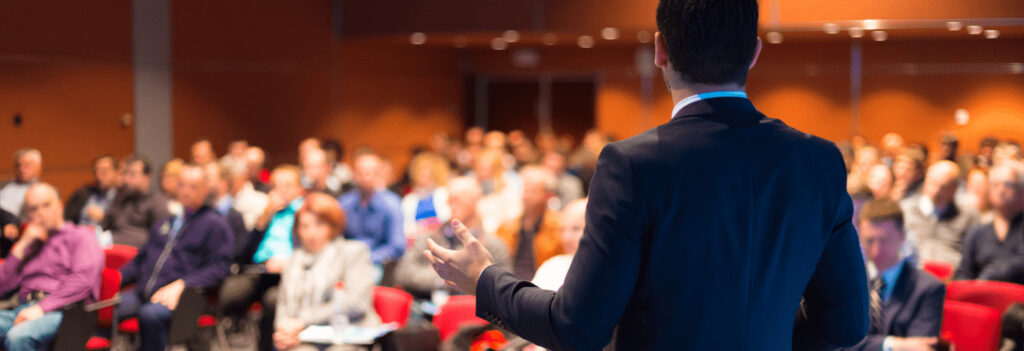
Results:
941 270
109 287
460 310
118 255
392 305
998 295
971 327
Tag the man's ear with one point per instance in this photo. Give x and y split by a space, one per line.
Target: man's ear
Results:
660 51
757 53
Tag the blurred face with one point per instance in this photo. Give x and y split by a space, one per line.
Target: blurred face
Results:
202 152
28 169
535 197
106 174
368 173
43 208
134 178
940 183
494 140
865 159
254 161
573 222
554 162
1005 190
462 200
879 181
977 185
475 136
904 169
308 145
314 165
237 148
285 185
424 176
193 187
169 184
313 232
218 185
881 243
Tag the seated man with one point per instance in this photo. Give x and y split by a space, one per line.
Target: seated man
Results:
906 303
995 251
222 201
414 273
552 272
88 204
374 213
535 236
9 228
936 225
269 248
28 165
136 208
55 264
191 251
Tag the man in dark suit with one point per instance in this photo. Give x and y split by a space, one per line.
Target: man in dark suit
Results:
701 234
906 302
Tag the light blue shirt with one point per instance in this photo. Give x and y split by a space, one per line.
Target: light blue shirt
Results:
889 277
378 223
278 238
709 95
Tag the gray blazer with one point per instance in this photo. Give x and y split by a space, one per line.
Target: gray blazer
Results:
307 284
937 238
414 273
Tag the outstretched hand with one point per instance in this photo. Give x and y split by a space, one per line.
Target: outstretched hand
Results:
461 268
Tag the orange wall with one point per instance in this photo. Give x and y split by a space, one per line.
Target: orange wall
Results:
69 75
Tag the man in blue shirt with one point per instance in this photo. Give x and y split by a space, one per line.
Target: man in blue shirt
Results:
374 214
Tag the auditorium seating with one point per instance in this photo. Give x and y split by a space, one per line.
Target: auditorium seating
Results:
118 255
460 310
392 305
81 321
941 270
997 295
971 327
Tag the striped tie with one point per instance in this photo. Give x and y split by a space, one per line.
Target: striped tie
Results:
876 286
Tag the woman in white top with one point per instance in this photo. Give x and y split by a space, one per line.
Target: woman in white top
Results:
552 272
425 208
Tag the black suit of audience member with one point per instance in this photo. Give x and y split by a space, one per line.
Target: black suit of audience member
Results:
6 218
985 257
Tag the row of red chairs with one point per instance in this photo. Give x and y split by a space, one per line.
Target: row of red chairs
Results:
972 316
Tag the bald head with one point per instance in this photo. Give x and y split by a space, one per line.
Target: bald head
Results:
254 159
315 166
463 195
285 184
574 220
1006 188
193 186
879 181
42 206
941 181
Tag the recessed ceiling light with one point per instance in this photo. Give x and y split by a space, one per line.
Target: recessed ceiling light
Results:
954 26
879 35
831 28
856 32
774 37
644 36
499 44
418 38
510 36
585 41
871 24
610 33
991 33
974 30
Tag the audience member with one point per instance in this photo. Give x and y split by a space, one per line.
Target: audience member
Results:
221 200
9 232
236 152
908 173
551 273
502 200
976 197
202 152
535 236
906 303
985 148
270 246
188 251
414 273
307 145
425 208
374 214
53 264
879 181
995 251
316 171
88 204
1006 152
570 187
583 161
864 158
248 202
892 146
321 261
136 208
935 224
949 148
340 178
28 166
170 175
254 162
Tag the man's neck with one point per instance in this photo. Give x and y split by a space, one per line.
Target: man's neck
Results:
1002 220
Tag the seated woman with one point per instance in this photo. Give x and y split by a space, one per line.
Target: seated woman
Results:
323 259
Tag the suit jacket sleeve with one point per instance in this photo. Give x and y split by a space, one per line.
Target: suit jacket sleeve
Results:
603 273
837 296
220 249
968 270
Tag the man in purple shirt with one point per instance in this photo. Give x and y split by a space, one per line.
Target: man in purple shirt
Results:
55 264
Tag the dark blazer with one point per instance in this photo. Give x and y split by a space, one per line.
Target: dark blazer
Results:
914 309
5 219
702 234
200 254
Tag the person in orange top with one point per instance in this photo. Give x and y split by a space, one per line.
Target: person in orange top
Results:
538 228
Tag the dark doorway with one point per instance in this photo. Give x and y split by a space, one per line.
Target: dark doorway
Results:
510 103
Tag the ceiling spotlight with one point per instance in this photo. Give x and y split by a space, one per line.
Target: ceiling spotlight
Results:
644 36
879 35
610 33
954 26
991 33
871 24
1017 68
418 38
774 37
460 41
856 32
510 36
974 30
831 28
549 39
499 44
585 41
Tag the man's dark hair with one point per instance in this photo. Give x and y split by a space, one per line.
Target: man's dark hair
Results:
989 141
709 41
146 167
333 145
881 210
102 157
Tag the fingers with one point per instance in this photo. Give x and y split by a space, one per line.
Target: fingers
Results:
462 232
438 251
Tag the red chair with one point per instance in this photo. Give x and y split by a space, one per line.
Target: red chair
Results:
460 310
108 290
81 321
998 295
971 327
941 270
392 305
118 255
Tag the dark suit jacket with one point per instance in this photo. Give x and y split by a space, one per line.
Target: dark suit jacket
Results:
914 309
702 234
